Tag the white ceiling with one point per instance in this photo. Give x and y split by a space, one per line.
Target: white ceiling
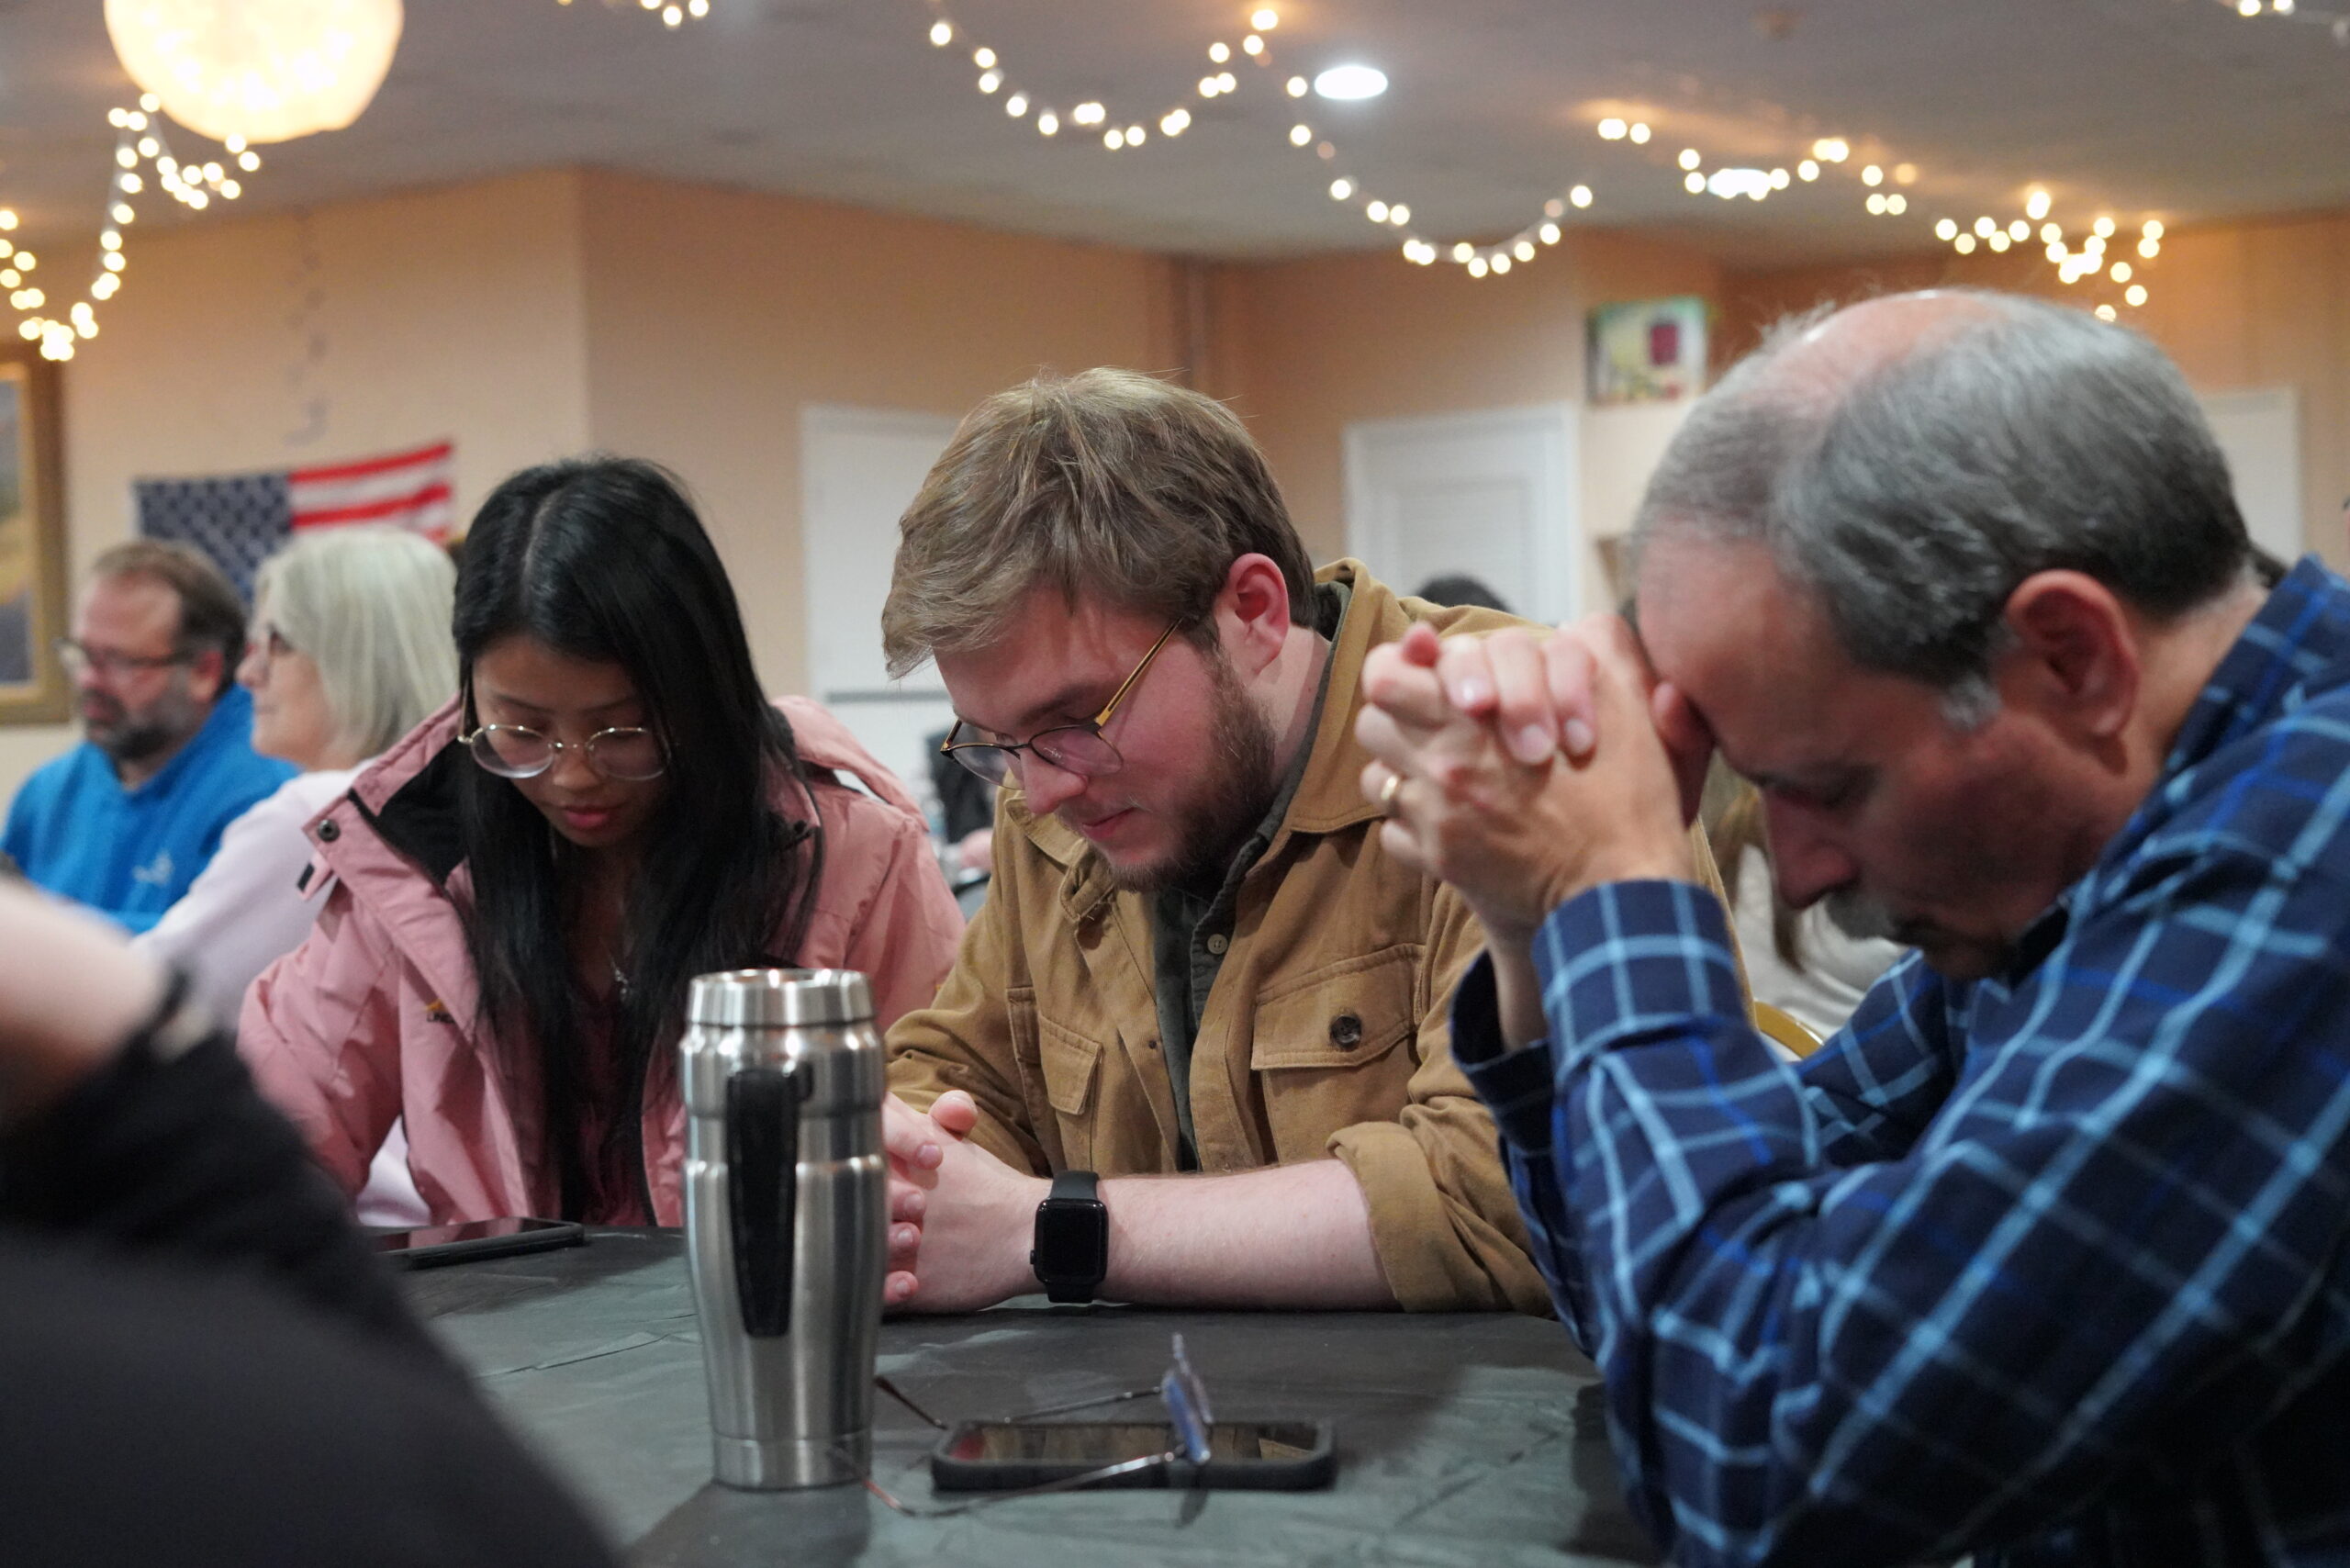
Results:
2175 108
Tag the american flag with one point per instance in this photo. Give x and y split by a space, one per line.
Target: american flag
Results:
239 519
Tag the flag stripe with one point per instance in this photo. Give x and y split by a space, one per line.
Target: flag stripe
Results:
438 452
372 511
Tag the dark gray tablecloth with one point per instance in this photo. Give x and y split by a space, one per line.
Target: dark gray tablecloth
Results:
1462 1439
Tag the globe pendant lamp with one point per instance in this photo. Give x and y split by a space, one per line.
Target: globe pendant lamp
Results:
260 70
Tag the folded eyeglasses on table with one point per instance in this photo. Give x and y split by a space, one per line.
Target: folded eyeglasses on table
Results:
1188 1412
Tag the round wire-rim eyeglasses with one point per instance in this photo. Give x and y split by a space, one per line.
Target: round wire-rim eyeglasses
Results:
627 753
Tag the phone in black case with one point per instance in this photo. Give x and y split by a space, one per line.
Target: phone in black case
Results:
430 1246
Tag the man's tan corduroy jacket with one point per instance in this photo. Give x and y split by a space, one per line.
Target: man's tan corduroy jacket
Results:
1325 1032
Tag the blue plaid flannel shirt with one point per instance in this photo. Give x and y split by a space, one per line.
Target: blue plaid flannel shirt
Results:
2051 1267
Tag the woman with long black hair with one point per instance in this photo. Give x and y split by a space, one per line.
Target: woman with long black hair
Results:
518 894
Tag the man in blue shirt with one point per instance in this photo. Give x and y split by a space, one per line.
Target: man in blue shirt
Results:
124 822
2046 1255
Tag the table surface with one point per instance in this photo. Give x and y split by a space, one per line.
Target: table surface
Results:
1467 1439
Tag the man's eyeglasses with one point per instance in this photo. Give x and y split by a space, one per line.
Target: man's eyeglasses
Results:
515 751
1072 748
1188 1415
79 656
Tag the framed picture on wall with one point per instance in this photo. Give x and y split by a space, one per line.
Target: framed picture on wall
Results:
33 688
1647 351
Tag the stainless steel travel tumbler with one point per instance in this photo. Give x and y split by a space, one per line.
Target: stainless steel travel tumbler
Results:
787 1191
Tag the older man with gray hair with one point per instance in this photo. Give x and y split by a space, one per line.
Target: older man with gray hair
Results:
2046 1257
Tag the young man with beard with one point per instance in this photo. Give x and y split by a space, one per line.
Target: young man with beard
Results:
1193 1050
124 822
2045 1257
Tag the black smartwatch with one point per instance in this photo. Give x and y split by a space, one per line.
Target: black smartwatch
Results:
1071 1255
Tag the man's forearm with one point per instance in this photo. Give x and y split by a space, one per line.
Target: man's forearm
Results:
1517 992
1293 1235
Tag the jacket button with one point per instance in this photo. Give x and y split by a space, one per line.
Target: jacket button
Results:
1346 1031
329 832
1219 942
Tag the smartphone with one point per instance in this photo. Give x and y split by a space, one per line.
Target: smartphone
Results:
433 1245
1243 1456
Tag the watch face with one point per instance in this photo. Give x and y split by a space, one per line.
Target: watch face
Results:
1072 1241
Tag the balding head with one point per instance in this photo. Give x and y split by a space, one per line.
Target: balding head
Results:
1909 460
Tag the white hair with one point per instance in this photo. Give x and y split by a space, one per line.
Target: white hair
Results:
372 608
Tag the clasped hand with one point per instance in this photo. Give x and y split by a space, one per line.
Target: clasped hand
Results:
1524 768
961 1219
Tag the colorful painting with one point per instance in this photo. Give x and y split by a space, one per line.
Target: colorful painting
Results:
32 545
1648 350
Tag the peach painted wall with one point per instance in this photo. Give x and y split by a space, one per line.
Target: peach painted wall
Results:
2239 306
254 343
714 316
1307 348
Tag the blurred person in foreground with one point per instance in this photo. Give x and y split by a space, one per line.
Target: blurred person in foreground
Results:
126 821
2046 1257
1195 1036
203 1365
522 890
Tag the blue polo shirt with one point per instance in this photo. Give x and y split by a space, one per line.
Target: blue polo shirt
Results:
129 853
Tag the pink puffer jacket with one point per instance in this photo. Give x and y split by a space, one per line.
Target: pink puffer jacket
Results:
374 1016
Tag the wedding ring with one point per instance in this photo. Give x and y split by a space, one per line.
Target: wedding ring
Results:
1387 794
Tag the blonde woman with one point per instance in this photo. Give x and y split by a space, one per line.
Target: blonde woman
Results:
349 651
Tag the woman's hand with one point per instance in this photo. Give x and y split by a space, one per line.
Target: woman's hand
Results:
71 992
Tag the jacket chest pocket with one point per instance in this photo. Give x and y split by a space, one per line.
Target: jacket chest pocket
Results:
1060 1072
1328 1053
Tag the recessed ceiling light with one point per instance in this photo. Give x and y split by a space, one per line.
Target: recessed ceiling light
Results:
1350 82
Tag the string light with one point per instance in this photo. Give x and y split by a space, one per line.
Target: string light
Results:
2335 22
139 142
1825 154
996 75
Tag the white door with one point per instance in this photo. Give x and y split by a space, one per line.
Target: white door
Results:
1492 495
2261 434
861 468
